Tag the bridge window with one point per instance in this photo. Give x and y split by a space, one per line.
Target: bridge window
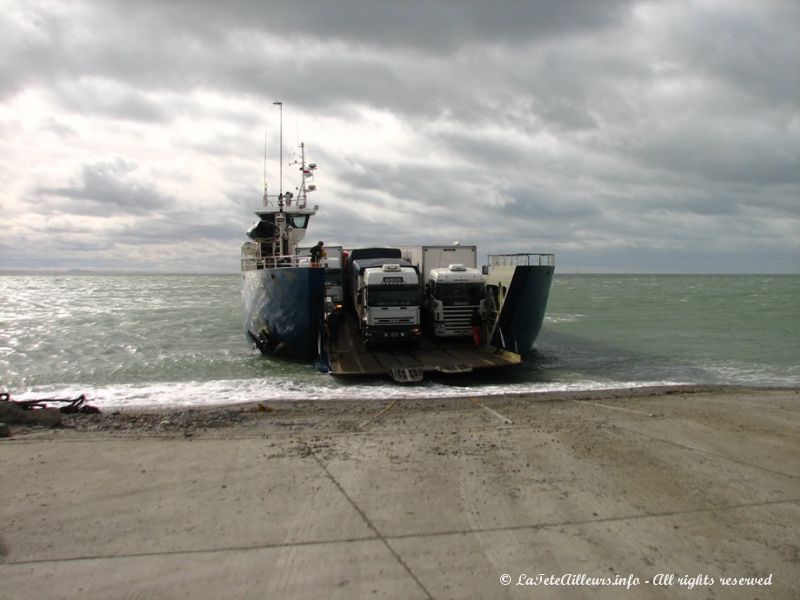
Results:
298 221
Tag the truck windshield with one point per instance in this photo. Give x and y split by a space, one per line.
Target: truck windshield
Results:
392 295
459 293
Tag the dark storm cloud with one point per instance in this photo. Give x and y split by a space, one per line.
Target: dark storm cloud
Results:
746 47
97 99
421 186
180 44
538 203
177 227
105 188
735 154
591 127
490 149
435 26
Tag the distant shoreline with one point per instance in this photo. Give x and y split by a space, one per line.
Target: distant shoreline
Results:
35 272
558 272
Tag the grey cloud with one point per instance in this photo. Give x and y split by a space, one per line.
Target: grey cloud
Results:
743 45
540 204
179 45
407 183
490 150
589 127
104 189
723 146
442 25
97 99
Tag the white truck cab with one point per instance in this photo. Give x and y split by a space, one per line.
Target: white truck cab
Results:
452 294
387 301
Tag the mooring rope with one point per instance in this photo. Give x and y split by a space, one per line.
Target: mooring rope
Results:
72 405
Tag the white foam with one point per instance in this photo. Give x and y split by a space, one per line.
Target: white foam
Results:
563 317
237 391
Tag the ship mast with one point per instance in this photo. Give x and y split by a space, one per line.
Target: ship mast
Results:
266 201
307 172
280 196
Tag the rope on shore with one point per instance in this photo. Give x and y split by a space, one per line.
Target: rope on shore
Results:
71 405
622 408
372 418
503 418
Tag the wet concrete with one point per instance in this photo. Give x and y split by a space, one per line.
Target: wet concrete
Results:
416 499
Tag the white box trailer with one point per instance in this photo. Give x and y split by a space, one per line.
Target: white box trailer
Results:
431 257
453 287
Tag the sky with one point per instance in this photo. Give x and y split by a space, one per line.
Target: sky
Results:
642 137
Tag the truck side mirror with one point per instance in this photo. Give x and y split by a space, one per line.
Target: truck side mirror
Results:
360 296
485 269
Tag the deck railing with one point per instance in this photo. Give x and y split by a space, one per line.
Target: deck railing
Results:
254 263
523 258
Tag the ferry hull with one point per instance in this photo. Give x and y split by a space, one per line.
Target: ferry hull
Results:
523 310
283 308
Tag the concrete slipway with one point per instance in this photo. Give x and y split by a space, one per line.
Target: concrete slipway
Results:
417 499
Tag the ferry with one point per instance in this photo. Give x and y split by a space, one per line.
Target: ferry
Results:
282 293
403 312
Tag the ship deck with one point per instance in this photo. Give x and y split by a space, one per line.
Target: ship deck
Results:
406 362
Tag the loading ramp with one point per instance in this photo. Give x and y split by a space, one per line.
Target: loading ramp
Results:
404 362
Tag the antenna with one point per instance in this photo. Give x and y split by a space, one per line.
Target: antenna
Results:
280 197
265 167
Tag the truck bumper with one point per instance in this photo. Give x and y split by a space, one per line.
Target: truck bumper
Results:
387 333
440 330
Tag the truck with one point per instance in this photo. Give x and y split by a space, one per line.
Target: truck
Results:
385 292
433 256
453 288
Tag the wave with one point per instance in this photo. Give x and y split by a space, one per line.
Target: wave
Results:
242 391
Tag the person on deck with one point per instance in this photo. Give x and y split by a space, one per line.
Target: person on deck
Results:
316 254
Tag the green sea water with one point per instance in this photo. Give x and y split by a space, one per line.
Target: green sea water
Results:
717 329
140 340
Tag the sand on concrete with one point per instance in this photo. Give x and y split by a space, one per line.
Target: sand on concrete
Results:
649 493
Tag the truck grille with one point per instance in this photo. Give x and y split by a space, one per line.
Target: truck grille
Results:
457 319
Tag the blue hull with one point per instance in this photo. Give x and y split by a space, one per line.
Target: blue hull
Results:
282 310
523 311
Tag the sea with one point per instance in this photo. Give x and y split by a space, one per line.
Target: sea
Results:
156 341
